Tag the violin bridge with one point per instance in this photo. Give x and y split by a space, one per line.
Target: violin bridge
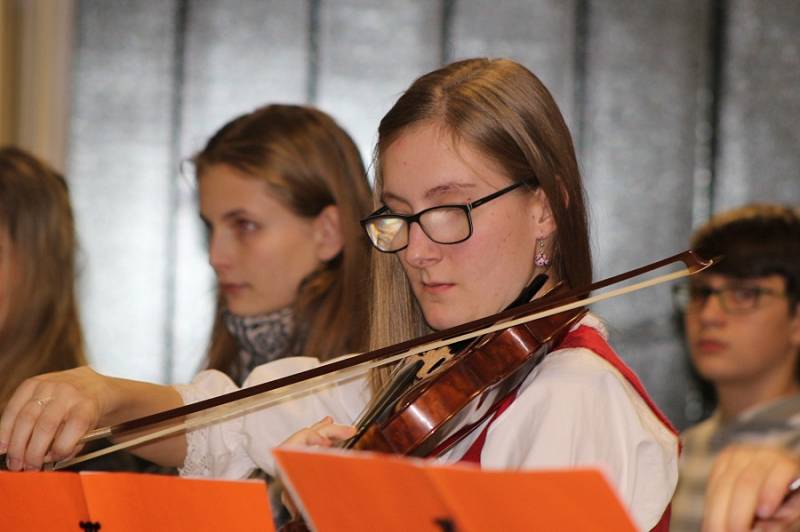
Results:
432 360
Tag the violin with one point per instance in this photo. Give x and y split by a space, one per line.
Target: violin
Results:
433 414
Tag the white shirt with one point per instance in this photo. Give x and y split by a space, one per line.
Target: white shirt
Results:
574 409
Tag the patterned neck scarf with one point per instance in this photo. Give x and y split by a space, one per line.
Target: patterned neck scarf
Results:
262 338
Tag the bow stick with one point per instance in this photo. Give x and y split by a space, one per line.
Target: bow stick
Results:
259 396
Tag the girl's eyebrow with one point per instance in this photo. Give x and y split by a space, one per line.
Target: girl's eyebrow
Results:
234 213
437 191
229 215
447 188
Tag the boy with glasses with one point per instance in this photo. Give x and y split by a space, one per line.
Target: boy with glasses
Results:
742 322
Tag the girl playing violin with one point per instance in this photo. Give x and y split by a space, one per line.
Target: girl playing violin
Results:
477 192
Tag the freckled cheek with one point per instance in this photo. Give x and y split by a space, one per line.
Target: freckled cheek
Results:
516 249
484 275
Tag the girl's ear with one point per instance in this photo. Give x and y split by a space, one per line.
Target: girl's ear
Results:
544 223
328 239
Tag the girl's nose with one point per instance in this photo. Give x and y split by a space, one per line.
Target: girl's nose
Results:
421 250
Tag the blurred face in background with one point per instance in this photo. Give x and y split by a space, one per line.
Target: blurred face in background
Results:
260 250
742 330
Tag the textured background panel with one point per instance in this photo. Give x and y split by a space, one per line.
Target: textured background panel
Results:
369 52
241 54
540 34
119 174
238 55
641 91
759 138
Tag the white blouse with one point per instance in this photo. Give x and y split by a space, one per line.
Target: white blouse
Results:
574 409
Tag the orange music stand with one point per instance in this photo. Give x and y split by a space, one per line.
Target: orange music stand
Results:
130 502
365 491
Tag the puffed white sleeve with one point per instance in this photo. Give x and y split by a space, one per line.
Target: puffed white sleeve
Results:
576 410
234 448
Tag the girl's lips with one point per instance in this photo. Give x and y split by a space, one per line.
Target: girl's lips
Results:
232 289
436 288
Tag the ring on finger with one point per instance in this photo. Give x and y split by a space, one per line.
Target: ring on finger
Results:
42 401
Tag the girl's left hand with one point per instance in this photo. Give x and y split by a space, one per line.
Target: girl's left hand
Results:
323 433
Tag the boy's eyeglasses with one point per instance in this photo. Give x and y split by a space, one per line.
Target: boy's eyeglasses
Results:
444 224
734 299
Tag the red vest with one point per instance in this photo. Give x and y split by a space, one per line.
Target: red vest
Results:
589 338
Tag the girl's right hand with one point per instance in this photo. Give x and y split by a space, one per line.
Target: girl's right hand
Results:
48 414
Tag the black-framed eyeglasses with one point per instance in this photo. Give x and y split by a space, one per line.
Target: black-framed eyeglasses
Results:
734 299
444 224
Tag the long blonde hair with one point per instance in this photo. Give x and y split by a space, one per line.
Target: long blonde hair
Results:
309 163
500 108
41 331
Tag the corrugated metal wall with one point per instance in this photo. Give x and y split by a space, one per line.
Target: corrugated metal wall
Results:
678 109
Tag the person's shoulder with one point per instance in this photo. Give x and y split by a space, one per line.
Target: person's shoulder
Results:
575 364
579 365
573 376
580 376
577 388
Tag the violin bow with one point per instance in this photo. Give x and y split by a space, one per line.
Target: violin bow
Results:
261 395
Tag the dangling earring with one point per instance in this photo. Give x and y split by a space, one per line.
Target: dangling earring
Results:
541 259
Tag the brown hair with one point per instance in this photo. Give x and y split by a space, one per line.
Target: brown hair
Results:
755 240
41 331
309 163
500 108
